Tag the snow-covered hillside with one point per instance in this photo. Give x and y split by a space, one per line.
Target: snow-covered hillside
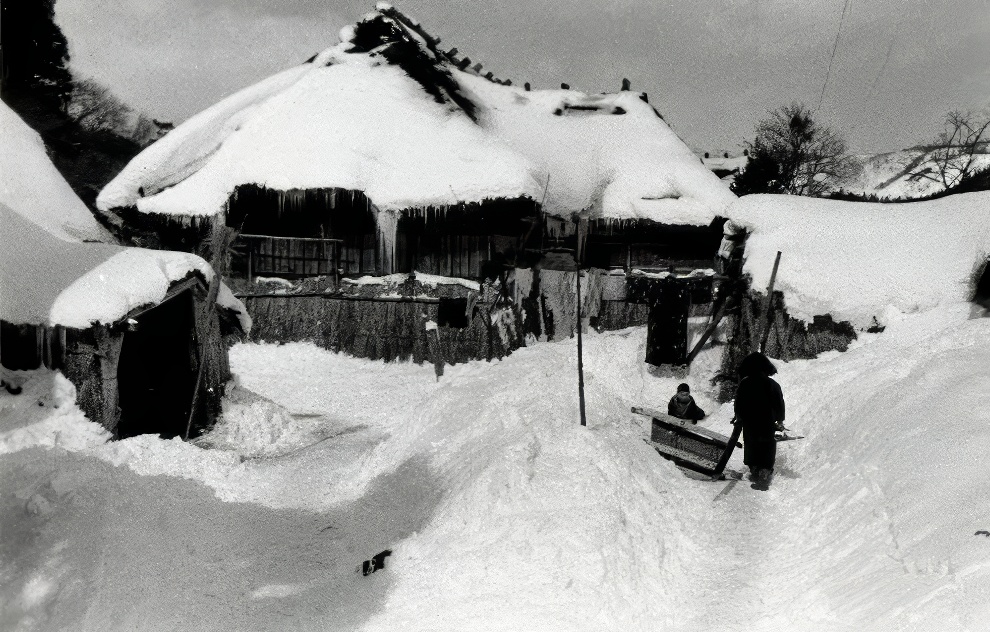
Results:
895 175
501 512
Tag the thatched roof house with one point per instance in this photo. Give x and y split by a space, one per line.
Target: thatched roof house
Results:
137 331
372 139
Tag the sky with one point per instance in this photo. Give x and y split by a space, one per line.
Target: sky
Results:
713 68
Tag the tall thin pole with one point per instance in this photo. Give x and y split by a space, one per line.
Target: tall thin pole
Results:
584 419
578 256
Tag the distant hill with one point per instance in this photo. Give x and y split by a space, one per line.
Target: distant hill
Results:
889 175
883 176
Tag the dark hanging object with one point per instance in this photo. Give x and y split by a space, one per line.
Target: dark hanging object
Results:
666 329
526 86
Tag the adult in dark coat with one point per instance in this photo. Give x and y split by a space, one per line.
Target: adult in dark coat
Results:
759 407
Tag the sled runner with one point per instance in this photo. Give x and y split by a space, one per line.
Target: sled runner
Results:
689 446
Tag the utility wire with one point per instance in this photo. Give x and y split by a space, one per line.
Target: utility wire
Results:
831 59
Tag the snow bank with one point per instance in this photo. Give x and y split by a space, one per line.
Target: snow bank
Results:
44 280
35 189
591 158
858 261
45 414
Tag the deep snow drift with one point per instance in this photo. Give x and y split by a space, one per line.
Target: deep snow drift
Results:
501 512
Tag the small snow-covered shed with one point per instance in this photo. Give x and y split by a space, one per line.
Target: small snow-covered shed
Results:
411 161
137 331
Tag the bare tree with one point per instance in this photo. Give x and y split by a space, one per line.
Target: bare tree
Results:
951 158
95 108
793 154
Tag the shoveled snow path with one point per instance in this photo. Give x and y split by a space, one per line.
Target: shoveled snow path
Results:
504 514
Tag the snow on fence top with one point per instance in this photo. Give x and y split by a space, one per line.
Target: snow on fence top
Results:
858 261
30 183
354 118
47 281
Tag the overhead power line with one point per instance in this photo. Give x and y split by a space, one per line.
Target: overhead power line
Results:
835 47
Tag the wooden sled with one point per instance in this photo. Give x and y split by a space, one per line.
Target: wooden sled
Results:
689 446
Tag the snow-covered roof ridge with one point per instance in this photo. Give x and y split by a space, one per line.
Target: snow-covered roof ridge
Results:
388 113
31 184
862 261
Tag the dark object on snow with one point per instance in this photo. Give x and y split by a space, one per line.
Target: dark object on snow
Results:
759 408
986 533
452 312
376 563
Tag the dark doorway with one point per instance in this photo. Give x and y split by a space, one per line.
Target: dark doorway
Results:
156 373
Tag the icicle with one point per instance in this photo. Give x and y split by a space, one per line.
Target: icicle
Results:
388 224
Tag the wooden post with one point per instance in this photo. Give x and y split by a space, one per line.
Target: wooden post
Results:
766 319
211 301
584 419
582 225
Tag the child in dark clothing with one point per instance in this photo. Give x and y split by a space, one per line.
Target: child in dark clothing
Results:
682 405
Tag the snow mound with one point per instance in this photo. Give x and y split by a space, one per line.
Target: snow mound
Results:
33 186
253 426
45 414
864 261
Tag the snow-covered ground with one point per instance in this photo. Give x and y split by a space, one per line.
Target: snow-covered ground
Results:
501 511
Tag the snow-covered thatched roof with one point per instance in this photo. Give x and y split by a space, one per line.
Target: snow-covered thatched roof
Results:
859 261
386 113
30 184
45 280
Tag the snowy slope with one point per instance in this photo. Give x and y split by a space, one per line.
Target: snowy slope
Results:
502 513
30 184
858 261
351 120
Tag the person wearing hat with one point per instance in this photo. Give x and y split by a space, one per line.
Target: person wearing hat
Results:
759 407
682 405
